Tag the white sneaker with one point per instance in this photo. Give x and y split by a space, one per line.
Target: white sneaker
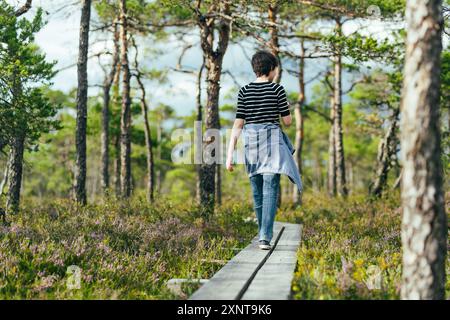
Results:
264 245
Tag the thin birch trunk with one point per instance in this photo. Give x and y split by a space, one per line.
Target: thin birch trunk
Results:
148 137
159 153
125 119
386 151
338 134
331 153
5 175
106 113
200 119
296 196
275 49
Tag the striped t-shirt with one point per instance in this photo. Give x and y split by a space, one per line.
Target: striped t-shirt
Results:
262 102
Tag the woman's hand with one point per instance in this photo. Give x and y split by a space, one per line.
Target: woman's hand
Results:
229 164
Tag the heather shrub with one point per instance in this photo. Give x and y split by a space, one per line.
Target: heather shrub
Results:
351 248
125 250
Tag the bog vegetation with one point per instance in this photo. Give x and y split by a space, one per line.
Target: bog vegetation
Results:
88 178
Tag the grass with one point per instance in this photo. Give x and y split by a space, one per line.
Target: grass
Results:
124 250
351 249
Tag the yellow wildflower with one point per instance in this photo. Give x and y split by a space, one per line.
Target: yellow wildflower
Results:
358 262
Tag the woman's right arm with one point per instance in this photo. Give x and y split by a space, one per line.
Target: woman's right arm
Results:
287 120
235 133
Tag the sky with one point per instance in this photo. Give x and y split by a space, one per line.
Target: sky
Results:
59 40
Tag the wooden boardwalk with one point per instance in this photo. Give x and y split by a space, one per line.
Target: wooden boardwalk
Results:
257 274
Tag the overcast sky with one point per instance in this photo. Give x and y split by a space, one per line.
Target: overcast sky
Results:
59 40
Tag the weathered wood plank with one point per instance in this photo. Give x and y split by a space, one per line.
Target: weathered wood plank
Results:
229 280
273 280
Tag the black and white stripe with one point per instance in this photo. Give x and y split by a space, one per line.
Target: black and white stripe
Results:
261 102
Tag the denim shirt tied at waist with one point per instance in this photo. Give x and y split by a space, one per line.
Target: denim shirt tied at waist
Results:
267 149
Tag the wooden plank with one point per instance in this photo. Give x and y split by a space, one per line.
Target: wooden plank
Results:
229 280
273 281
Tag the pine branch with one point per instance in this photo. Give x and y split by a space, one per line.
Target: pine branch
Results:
24 9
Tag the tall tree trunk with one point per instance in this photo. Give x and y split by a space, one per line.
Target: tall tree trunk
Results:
386 151
148 136
117 102
331 152
338 135
296 196
109 80
125 119
117 166
82 92
159 151
148 144
5 175
208 170
273 34
15 173
15 162
214 59
200 119
275 49
218 173
317 180
424 224
218 185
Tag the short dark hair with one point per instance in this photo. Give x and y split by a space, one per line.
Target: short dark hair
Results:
263 62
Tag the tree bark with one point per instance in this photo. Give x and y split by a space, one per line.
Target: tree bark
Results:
117 101
159 151
338 135
82 92
424 223
109 80
386 150
24 9
5 175
218 185
117 166
317 180
332 153
208 171
15 173
125 119
199 118
296 196
218 172
274 40
214 59
275 49
148 136
148 144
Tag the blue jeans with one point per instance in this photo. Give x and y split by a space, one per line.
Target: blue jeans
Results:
265 195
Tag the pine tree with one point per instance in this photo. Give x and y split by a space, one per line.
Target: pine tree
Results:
25 112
